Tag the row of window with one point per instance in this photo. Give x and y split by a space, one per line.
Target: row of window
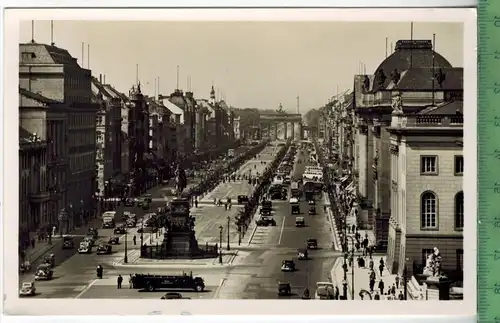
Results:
82 120
82 162
429 165
429 211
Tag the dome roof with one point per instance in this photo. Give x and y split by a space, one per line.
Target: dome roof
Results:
418 53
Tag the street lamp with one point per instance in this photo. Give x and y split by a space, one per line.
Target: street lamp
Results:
405 281
344 285
142 232
125 260
352 265
228 224
220 244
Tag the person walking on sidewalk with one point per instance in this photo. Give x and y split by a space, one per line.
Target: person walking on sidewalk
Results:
119 281
377 296
372 284
381 286
397 281
393 290
196 202
130 284
401 297
371 264
134 239
381 268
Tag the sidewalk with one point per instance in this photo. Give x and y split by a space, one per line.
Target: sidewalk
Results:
333 225
362 277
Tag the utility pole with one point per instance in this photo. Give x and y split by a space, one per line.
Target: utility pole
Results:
228 224
220 244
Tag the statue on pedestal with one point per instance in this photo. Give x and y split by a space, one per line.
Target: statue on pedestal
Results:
433 264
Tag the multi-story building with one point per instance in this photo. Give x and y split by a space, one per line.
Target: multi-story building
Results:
236 128
108 134
138 131
424 78
53 73
427 199
201 125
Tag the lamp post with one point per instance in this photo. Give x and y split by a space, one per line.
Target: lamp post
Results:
220 244
405 281
125 260
228 224
344 285
142 232
352 269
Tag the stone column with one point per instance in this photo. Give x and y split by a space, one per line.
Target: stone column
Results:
275 137
285 130
293 130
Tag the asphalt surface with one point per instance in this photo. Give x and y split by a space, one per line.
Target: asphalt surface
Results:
257 275
74 272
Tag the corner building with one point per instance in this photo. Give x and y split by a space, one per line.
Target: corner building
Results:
53 73
427 197
422 78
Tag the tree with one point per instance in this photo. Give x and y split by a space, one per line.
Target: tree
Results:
312 118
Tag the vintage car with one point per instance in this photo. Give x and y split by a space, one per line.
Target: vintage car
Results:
131 223
172 295
104 249
324 290
300 221
93 232
140 201
312 210
242 199
44 272
302 254
312 244
120 230
27 289
114 240
284 289
288 265
265 220
148 198
89 239
50 260
68 242
85 247
129 202
311 202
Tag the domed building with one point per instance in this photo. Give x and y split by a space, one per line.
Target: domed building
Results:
413 80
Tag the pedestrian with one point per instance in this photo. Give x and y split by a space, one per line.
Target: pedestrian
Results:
33 242
397 281
353 228
54 230
225 206
119 281
130 279
381 261
393 290
381 269
196 202
372 284
377 296
371 264
134 239
401 297
337 293
381 286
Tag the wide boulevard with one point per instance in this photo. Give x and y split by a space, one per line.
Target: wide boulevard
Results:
251 270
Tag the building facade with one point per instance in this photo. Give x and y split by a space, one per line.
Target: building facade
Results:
427 198
53 73
418 73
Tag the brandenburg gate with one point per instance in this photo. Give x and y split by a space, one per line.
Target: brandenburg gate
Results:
281 125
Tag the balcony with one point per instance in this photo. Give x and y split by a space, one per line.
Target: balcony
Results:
431 121
39 197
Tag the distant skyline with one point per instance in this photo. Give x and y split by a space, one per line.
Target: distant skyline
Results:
251 64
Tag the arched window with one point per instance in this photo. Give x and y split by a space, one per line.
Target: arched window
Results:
428 211
459 211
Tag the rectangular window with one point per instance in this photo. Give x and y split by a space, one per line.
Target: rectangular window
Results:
428 165
426 253
459 165
460 259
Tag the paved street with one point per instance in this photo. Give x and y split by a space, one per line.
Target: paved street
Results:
232 189
256 275
75 271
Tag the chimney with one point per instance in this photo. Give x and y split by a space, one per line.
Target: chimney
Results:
100 78
104 79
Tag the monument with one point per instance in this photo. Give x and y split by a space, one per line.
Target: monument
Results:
436 280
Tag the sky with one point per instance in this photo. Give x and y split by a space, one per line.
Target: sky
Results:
251 64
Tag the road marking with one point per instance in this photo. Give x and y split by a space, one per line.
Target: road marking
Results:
282 227
86 289
221 285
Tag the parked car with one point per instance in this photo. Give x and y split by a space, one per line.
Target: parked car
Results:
114 240
85 247
120 230
44 272
129 202
27 289
300 221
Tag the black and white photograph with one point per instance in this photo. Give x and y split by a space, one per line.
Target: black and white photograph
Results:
202 159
